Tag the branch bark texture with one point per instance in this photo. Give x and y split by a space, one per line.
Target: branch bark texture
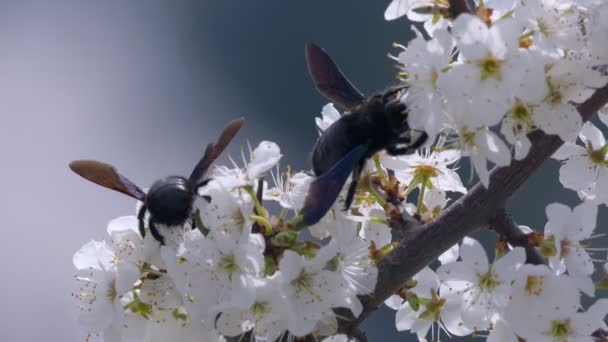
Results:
471 212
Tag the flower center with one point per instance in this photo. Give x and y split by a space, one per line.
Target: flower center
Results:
426 171
555 96
560 330
490 67
433 307
259 309
228 264
304 282
598 156
534 285
111 292
488 281
543 27
467 138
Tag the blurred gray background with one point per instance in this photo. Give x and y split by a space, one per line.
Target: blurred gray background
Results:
145 85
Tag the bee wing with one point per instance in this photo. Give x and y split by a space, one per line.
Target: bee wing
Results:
325 189
214 150
329 79
106 176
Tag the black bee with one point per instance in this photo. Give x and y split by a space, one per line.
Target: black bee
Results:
170 200
370 124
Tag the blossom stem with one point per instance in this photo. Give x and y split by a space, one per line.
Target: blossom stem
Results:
261 220
380 170
420 198
258 206
377 196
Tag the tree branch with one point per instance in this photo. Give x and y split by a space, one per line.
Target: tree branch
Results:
470 212
503 224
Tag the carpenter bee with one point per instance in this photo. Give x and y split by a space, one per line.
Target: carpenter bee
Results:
169 200
370 124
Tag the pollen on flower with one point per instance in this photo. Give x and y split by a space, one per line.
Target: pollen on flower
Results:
560 330
303 282
490 68
534 285
488 281
228 264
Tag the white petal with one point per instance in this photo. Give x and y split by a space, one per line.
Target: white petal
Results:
457 271
569 150
471 35
394 302
586 212
396 9
452 319
577 173
592 134
451 255
502 333
493 148
472 253
264 157
405 317
94 254
126 276
522 147
507 265
558 213
480 163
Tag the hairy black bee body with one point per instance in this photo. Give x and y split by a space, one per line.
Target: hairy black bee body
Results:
170 200
378 123
370 124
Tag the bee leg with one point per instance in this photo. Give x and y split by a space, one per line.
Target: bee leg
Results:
352 188
393 150
155 232
140 217
420 141
203 183
193 219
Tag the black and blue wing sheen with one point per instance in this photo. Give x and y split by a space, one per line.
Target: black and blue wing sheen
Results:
330 80
335 142
325 189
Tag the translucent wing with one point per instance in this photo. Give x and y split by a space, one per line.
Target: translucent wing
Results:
329 79
106 176
214 150
325 189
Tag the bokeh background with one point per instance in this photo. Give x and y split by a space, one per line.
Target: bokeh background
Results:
145 85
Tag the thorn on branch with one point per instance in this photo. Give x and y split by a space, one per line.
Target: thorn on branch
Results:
504 225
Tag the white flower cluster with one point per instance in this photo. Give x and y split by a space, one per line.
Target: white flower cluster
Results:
512 66
518 65
241 271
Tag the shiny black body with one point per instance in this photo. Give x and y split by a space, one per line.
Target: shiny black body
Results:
170 200
379 123
370 124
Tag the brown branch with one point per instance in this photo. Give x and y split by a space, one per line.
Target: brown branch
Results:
503 224
470 212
